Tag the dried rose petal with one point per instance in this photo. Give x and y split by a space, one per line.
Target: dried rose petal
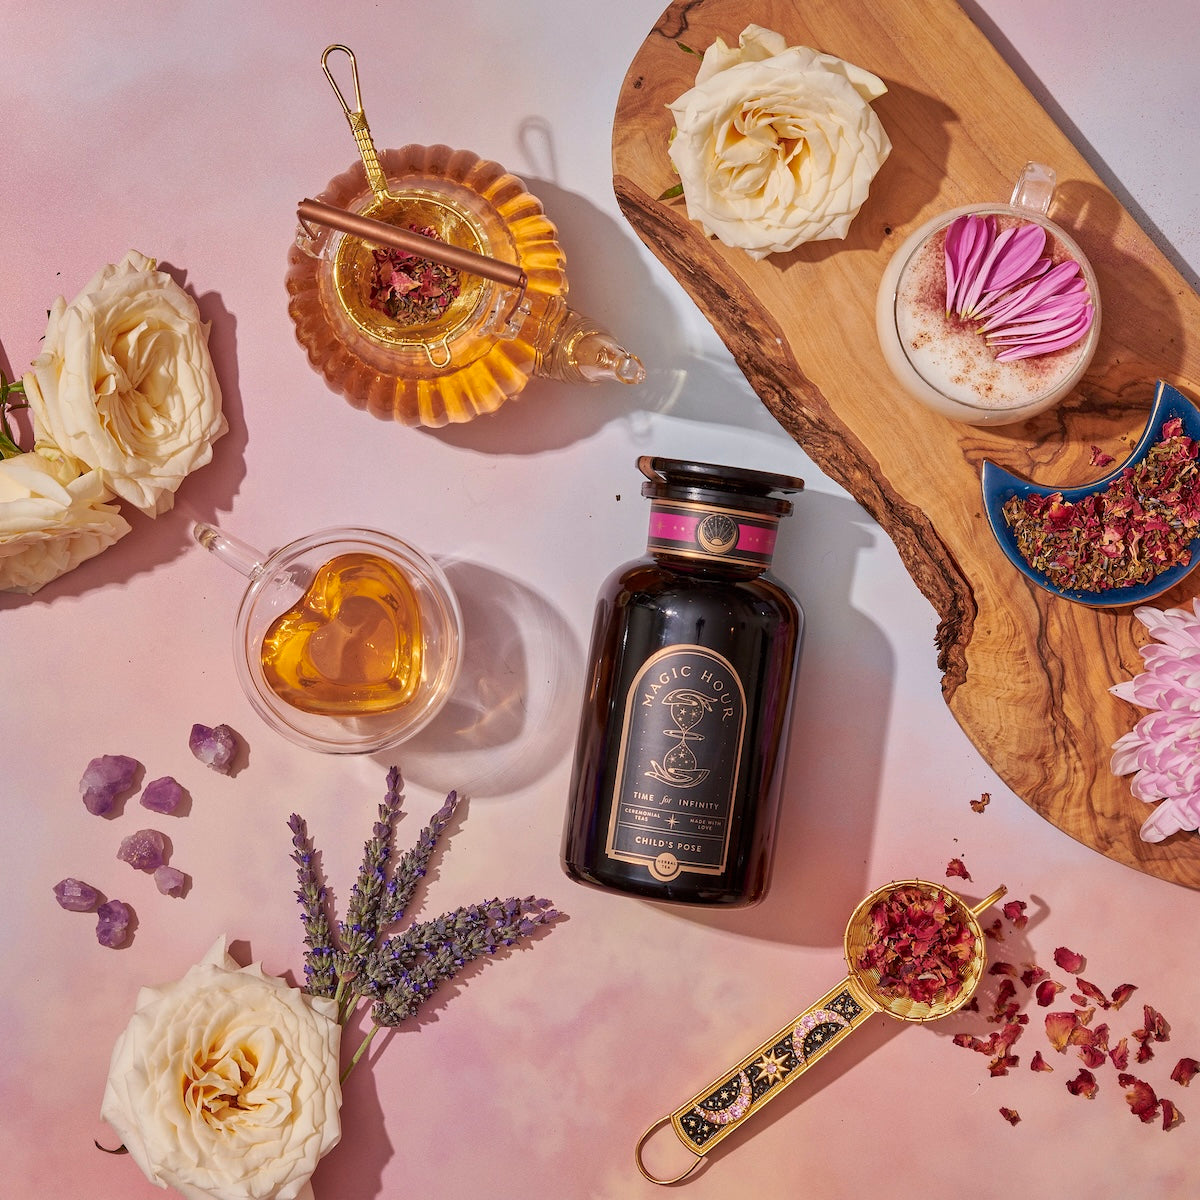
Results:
1032 974
1092 992
1184 1071
1099 458
214 747
76 896
985 798
145 850
1069 961
170 881
1155 1026
104 779
1038 1063
162 795
955 869
1014 911
1001 1064
1059 1028
1010 1115
1140 1097
1122 993
1171 1116
112 923
1120 1054
1002 968
1084 1084
1046 991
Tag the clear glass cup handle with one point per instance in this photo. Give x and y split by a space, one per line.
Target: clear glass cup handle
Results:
1034 188
233 552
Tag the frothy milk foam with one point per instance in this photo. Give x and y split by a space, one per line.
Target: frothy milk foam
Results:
950 355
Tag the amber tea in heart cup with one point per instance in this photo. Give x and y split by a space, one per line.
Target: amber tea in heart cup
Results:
347 640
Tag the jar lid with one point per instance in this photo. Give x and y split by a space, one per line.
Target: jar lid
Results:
737 487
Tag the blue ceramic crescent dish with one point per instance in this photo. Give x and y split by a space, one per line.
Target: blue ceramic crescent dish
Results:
1000 485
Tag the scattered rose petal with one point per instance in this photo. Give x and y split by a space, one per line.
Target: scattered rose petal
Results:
1046 991
104 779
215 747
1184 1071
1099 458
955 869
1010 1115
1155 1026
1092 992
1002 1063
1038 1063
1014 911
995 931
112 923
162 795
1140 1097
1171 1116
1069 961
1059 1027
1084 1084
1032 974
1122 993
76 896
170 881
144 851
1120 1054
984 800
1002 968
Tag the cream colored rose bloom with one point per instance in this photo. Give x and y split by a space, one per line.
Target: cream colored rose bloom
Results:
51 519
224 1085
125 383
776 146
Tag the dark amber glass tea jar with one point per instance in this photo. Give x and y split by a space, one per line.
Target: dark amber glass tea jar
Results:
678 764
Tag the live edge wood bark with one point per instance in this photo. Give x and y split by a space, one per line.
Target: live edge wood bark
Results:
1026 675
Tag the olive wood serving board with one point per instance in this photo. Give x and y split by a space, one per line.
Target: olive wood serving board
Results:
1026 674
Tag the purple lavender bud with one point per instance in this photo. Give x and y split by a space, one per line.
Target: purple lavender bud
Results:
76 896
112 923
214 747
170 881
162 795
104 779
145 850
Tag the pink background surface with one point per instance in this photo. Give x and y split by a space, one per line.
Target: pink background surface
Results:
189 132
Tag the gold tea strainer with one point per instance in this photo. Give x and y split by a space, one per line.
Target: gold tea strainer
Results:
715 1111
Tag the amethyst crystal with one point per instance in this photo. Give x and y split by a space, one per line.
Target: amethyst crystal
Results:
112 923
162 795
170 881
145 850
214 747
76 896
104 779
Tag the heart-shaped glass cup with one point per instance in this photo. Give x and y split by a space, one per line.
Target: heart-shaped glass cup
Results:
337 614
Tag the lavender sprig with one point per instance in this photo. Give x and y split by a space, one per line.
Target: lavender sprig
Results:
360 928
397 973
412 865
434 952
319 975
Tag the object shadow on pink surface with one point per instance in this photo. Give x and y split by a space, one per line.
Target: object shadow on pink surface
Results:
512 714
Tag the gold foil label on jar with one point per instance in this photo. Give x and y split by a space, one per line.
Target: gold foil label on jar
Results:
677 771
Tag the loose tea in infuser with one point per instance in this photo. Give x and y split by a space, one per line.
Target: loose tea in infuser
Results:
914 951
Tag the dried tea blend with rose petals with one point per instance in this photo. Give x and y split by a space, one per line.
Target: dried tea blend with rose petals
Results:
921 946
1132 531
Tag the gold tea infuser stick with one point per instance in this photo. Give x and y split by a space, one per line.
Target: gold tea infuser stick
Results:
717 1110
371 230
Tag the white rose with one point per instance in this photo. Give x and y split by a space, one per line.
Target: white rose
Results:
51 519
225 1085
776 146
125 383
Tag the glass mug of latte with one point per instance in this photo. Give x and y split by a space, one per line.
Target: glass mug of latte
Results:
990 313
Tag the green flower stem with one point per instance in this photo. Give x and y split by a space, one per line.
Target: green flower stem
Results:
8 443
362 1049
